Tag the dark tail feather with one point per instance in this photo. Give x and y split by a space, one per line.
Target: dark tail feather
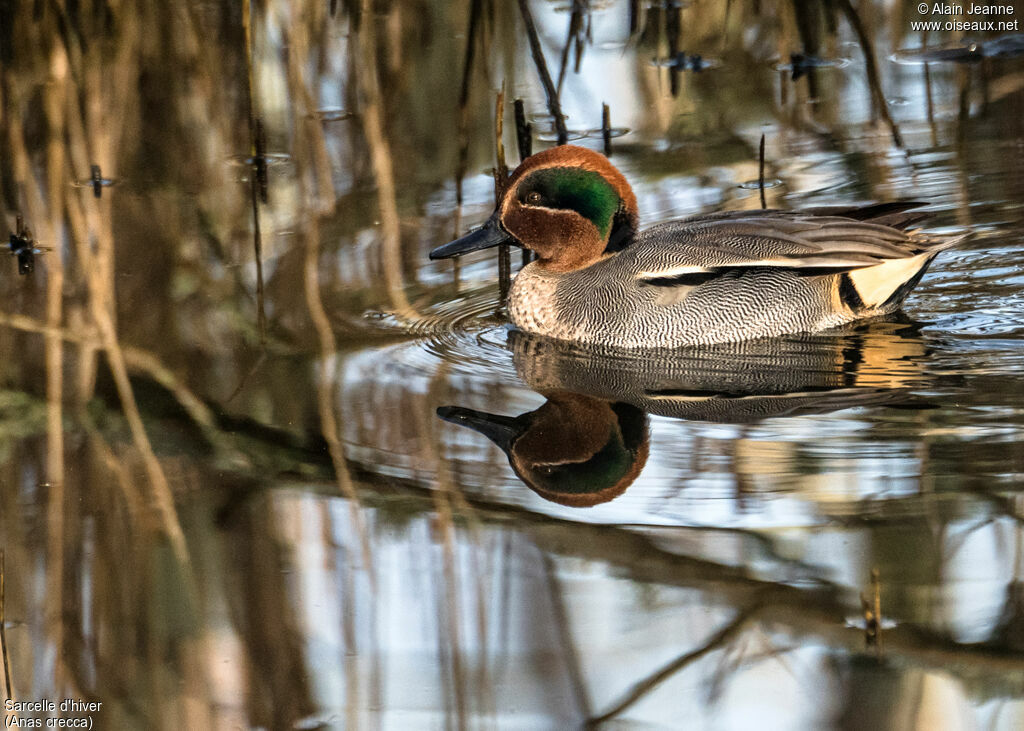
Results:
893 214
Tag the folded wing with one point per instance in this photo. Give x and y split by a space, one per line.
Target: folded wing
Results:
695 250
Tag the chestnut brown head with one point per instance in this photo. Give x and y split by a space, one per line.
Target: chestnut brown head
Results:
568 204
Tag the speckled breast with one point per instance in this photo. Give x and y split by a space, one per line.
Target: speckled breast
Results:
586 306
532 305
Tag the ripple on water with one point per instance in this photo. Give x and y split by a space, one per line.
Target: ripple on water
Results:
466 334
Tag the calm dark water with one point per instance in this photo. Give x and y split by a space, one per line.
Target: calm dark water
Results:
262 485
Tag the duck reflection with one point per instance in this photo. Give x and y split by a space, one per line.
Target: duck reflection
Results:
736 382
575 450
590 440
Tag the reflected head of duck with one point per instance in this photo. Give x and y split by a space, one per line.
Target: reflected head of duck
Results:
574 450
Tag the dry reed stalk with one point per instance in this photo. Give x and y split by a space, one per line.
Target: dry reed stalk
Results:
524 131
606 129
524 145
760 174
872 608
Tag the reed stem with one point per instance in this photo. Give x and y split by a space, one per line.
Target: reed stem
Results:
760 175
500 182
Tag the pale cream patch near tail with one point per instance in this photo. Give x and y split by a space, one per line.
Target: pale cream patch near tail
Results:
876 284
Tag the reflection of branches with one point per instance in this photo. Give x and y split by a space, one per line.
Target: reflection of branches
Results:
575 39
715 642
872 68
561 616
463 119
814 612
446 499
554 105
326 391
137 361
443 496
731 665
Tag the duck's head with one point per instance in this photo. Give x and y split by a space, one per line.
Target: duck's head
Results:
568 204
574 450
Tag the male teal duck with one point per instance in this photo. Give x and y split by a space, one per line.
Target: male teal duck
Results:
710 278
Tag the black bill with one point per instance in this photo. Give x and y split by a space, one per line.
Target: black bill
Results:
491 234
502 430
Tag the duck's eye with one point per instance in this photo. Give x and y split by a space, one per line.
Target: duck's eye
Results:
534 198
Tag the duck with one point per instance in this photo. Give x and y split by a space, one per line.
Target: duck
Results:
711 278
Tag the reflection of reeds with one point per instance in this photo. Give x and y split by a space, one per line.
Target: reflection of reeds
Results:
462 161
383 165
871 65
101 299
814 612
463 105
3 625
563 627
257 237
554 105
449 625
673 12
258 184
56 177
448 501
328 405
326 387
575 39
89 223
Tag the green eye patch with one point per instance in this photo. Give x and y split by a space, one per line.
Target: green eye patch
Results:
583 191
